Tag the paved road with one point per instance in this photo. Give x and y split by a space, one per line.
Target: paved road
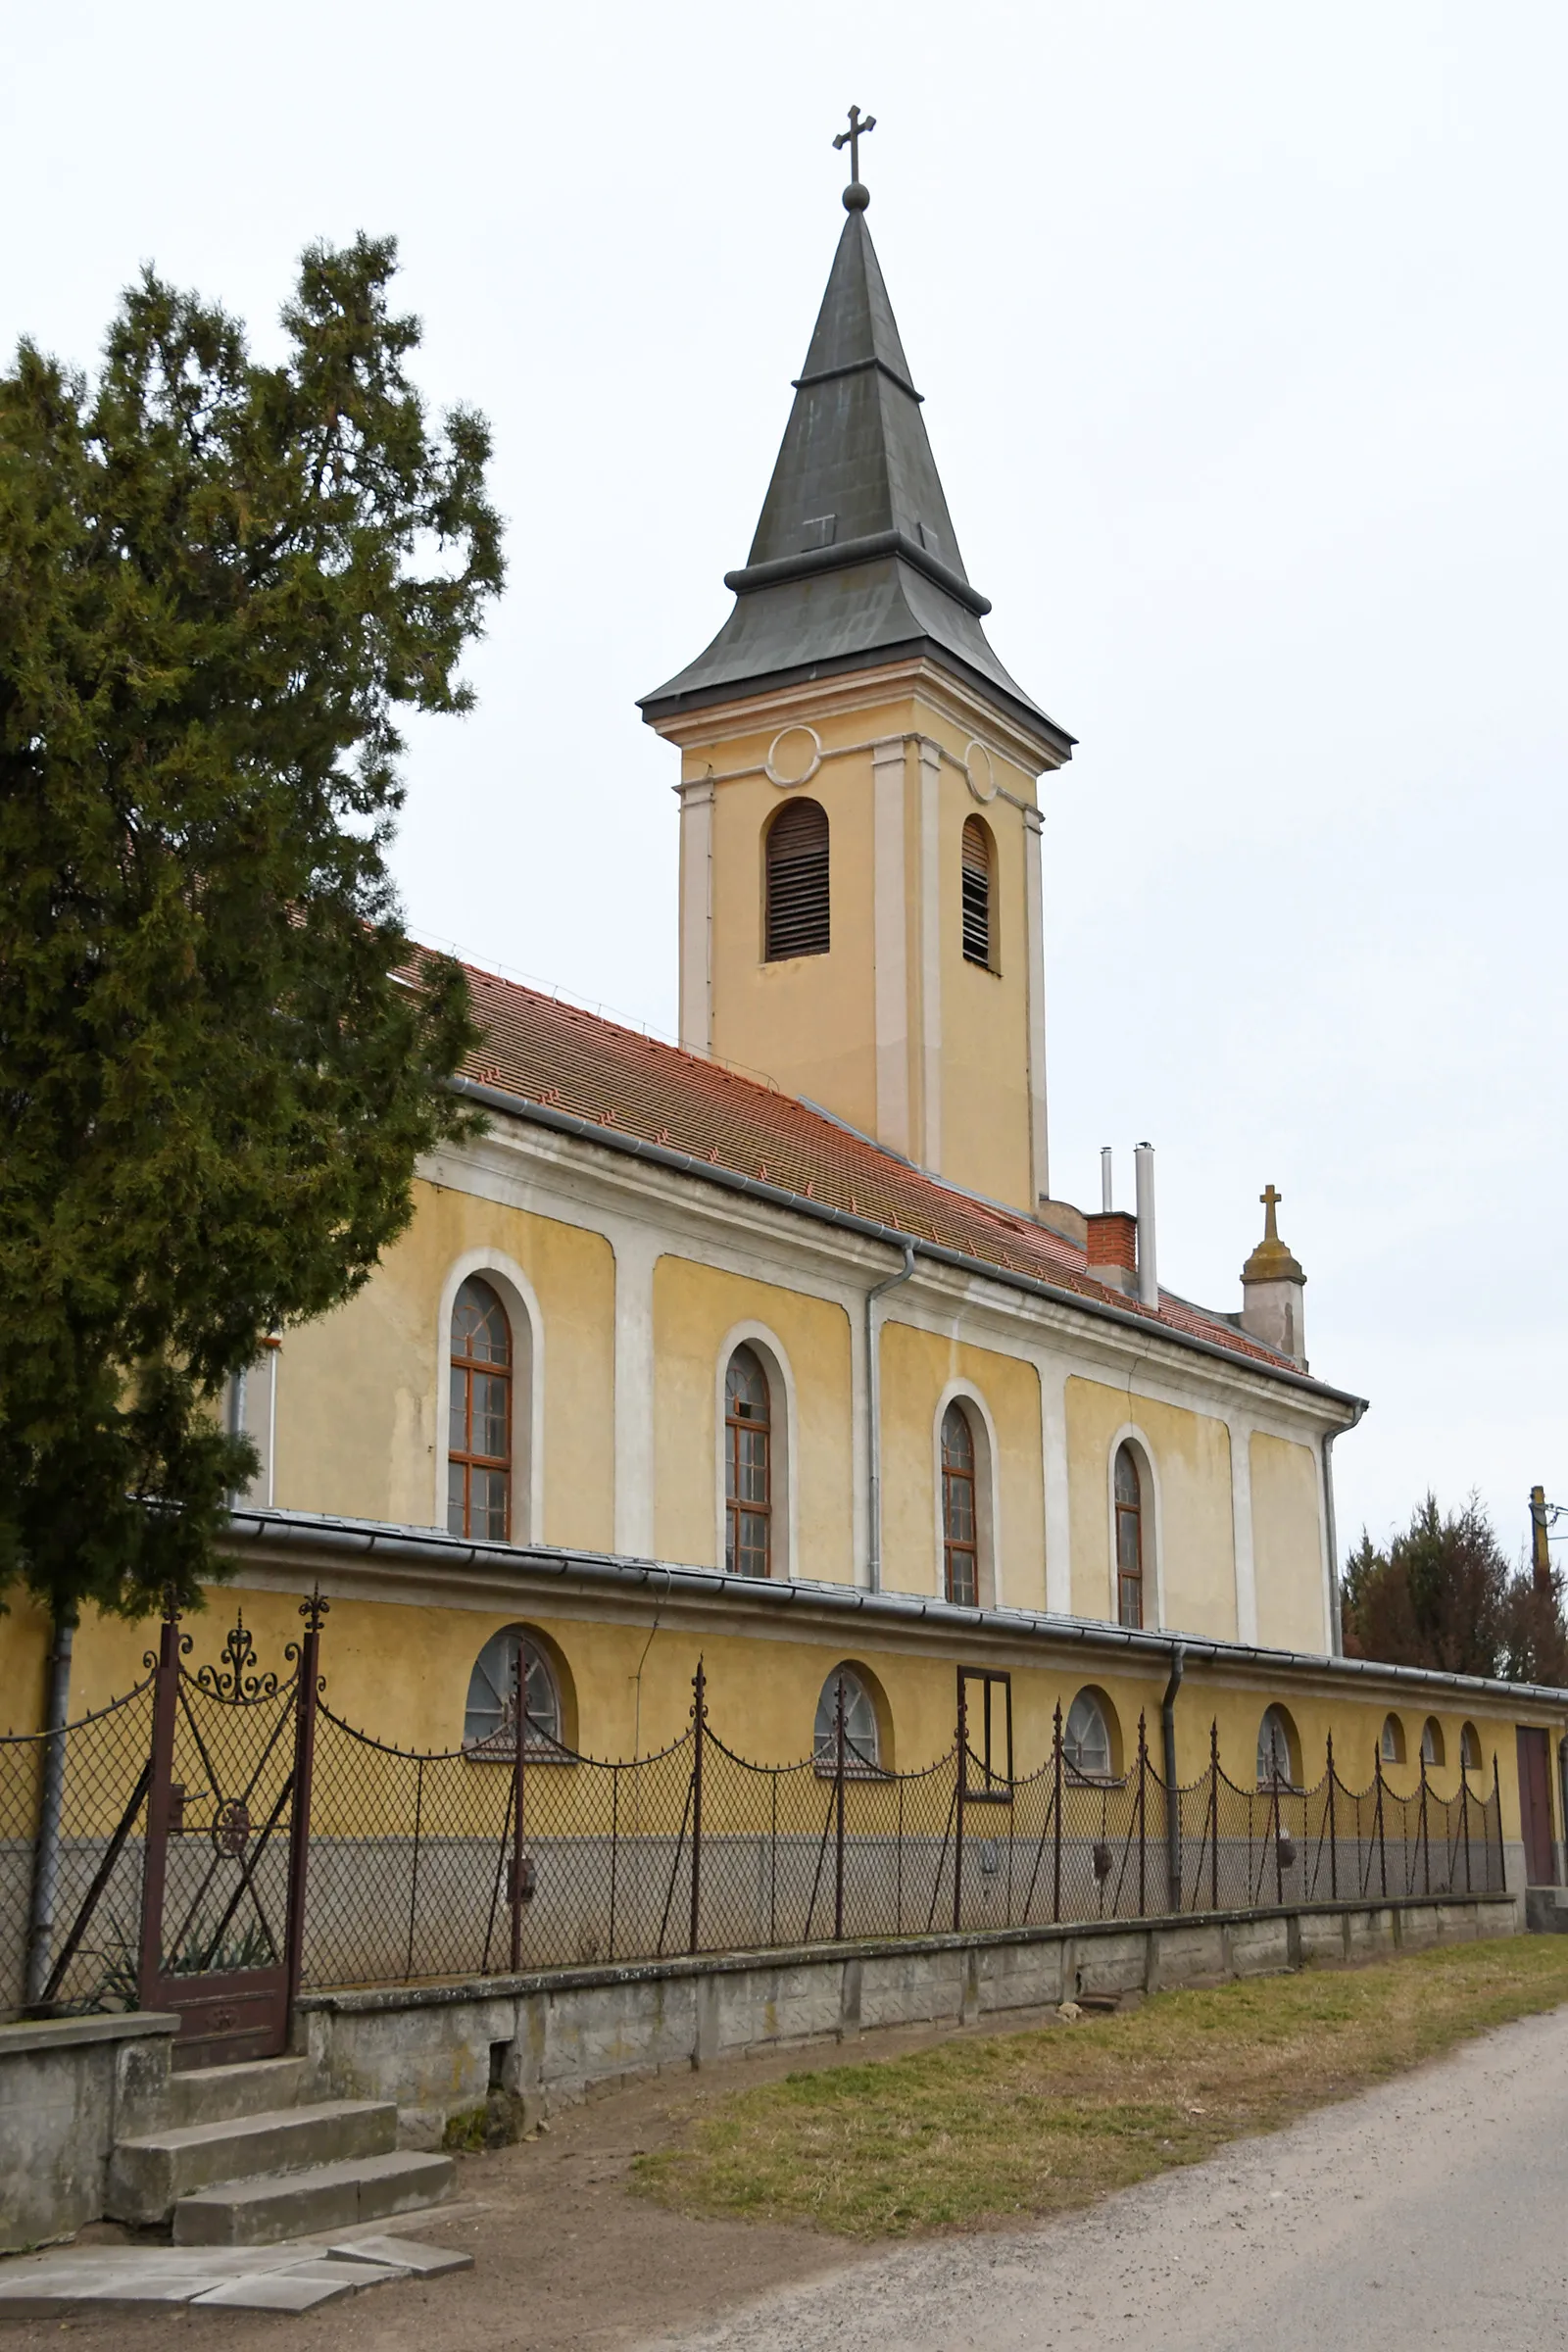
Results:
1430 2213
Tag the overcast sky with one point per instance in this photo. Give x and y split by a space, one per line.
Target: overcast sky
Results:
1243 338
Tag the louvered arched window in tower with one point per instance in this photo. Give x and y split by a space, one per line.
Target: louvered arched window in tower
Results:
979 916
796 888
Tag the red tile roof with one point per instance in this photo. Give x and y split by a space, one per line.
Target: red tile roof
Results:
546 1052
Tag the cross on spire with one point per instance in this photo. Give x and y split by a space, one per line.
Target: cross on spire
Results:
852 139
1271 1201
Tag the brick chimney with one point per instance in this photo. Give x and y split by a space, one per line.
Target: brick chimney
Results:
1272 1284
1112 1248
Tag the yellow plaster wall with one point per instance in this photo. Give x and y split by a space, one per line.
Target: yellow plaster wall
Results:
695 1306
916 1366
1287 1544
1195 1526
360 1391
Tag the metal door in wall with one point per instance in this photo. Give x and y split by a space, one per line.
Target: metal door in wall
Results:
1535 1806
227 1823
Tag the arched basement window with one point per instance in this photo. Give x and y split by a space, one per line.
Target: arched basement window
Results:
747 1467
1433 1749
490 1719
797 882
1129 1539
479 1428
960 1564
977 863
1086 1740
1391 1744
1470 1749
1276 1753
861 1739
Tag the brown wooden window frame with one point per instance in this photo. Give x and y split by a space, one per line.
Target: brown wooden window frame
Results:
988 1731
1131 1582
977 893
797 883
739 1424
465 1367
957 1551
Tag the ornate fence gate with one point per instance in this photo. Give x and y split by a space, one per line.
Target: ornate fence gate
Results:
229 1811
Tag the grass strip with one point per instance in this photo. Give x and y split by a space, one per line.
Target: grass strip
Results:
981 2130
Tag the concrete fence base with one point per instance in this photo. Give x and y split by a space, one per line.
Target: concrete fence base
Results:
574 2034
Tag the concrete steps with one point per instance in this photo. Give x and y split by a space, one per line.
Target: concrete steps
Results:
323 2196
216 2094
150 2174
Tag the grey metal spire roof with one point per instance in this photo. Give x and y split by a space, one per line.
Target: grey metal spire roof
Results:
855 561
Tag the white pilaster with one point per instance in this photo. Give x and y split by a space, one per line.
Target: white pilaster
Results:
1058 1517
930 1152
697 914
1035 949
637 1250
890 917
1241 1434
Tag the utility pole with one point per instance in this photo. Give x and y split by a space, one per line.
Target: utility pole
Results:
1540 1553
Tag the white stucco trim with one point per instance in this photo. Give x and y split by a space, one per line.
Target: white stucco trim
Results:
1242 1538
1034 946
1130 1434
638 1249
1053 1374
890 945
782 1449
697 914
930 1152
521 1304
987 1491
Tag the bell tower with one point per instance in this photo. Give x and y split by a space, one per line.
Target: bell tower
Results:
860 874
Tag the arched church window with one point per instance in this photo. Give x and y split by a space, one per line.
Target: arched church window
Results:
961 1571
978 871
490 1719
1276 1750
861 1738
479 1429
797 882
1129 1539
1086 1740
747 1467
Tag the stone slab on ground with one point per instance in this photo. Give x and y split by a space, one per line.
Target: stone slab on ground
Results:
290 2278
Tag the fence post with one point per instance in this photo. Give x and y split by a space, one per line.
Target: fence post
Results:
1213 1814
1426 1840
307 1675
1055 1750
165 1701
698 1719
51 1805
838 1798
963 1782
521 1715
1142 1812
1496 1799
1383 1858
1464 1813
1334 1849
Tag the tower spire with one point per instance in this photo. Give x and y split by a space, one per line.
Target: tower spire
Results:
855 562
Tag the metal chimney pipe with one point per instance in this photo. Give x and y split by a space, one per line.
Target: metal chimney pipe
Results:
1148 1271
1106 1201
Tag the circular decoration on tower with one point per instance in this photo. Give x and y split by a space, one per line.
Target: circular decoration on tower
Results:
982 776
794 757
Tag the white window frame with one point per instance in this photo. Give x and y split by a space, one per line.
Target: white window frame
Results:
987 1492
517 1296
1152 1526
784 1525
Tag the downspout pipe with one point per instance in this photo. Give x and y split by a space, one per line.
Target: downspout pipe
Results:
1173 1811
51 1799
873 1418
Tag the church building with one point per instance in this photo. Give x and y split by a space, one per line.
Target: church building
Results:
776 1346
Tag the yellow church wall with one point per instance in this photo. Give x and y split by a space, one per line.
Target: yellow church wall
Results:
916 1366
985 1013
357 1413
1287 1546
695 1307
1195 1528
23 1656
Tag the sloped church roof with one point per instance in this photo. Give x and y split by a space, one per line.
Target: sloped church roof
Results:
855 561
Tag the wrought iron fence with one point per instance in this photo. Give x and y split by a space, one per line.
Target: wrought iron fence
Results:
410 1867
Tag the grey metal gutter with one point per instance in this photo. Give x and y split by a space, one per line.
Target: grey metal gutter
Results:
369 1539
777 1195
